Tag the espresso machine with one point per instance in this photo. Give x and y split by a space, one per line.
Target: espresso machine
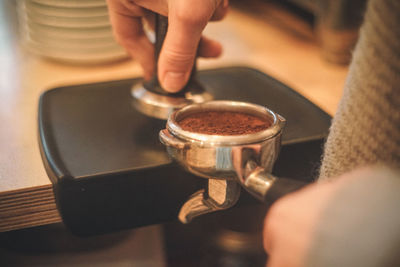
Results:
100 144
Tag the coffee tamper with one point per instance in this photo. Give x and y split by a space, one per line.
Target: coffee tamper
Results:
151 99
228 162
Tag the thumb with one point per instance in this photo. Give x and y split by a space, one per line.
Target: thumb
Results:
180 45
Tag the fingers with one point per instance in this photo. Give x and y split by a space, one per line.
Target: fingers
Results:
220 11
126 19
291 221
269 229
187 20
209 48
186 24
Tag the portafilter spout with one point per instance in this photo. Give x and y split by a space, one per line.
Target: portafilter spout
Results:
151 99
228 161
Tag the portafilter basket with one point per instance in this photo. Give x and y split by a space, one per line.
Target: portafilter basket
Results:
227 161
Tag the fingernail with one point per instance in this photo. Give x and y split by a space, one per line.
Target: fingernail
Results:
173 81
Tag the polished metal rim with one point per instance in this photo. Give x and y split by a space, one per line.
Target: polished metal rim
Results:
161 106
206 140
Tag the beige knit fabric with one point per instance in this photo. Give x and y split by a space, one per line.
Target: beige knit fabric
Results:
366 127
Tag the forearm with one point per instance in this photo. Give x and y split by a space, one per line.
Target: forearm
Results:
360 225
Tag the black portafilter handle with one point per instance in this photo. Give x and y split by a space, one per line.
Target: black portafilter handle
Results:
282 187
153 85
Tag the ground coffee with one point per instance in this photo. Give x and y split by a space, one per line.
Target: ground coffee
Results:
223 123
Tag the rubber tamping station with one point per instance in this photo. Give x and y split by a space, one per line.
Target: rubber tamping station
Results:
214 153
100 146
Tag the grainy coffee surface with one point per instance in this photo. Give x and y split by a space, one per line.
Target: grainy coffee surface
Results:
223 123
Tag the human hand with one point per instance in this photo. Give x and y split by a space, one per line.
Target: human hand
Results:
187 20
290 223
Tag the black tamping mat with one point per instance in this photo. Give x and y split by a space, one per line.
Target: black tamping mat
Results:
109 170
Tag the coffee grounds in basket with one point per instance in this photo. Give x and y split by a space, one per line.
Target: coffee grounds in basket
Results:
223 123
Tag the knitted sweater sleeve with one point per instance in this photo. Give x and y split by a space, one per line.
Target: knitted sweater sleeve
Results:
360 226
366 128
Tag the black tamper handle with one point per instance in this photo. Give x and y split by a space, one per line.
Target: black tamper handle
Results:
282 187
161 27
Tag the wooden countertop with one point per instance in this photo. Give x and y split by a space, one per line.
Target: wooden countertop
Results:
260 41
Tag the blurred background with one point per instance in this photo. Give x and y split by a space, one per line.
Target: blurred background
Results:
306 44
80 31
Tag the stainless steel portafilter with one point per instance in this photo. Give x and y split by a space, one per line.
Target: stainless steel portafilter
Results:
151 99
227 161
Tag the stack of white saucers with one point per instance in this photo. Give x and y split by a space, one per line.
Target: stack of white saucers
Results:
76 31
